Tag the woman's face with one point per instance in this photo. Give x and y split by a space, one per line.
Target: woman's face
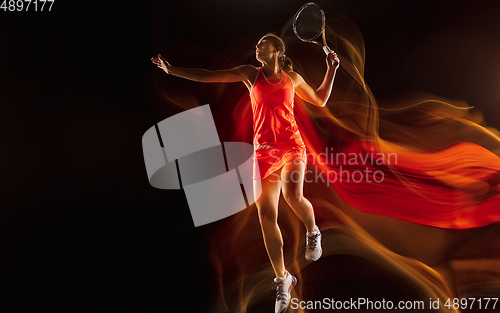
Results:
265 50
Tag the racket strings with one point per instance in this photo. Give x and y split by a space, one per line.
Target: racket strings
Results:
308 24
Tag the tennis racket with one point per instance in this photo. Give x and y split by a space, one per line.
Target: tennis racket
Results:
309 24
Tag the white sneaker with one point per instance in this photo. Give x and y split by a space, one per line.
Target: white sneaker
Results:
283 286
313 246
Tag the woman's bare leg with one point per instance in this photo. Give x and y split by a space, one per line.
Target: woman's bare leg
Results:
292 177
267 207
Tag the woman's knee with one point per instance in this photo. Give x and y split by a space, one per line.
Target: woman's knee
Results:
292 179
267 211
267 202
292 191
292 195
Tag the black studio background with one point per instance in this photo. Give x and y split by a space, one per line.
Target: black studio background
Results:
81 228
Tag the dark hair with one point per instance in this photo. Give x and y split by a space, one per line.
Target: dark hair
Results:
285 62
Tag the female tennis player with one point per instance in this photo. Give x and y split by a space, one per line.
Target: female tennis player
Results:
279 148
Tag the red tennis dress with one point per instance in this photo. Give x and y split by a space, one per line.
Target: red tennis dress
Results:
276 136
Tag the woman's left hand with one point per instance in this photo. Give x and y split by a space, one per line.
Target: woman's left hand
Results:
332 59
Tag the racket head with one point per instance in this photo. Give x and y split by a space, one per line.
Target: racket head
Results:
309 23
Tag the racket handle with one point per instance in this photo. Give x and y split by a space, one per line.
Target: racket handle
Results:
327 51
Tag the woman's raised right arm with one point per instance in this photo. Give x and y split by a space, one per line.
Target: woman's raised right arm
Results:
236 74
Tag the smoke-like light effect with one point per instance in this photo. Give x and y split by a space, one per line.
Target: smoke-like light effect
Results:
431 222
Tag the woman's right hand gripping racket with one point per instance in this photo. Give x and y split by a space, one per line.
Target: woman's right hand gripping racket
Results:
309 24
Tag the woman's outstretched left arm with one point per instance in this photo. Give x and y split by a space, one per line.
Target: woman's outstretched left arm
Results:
320 96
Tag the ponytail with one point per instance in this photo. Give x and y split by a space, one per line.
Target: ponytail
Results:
286 64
